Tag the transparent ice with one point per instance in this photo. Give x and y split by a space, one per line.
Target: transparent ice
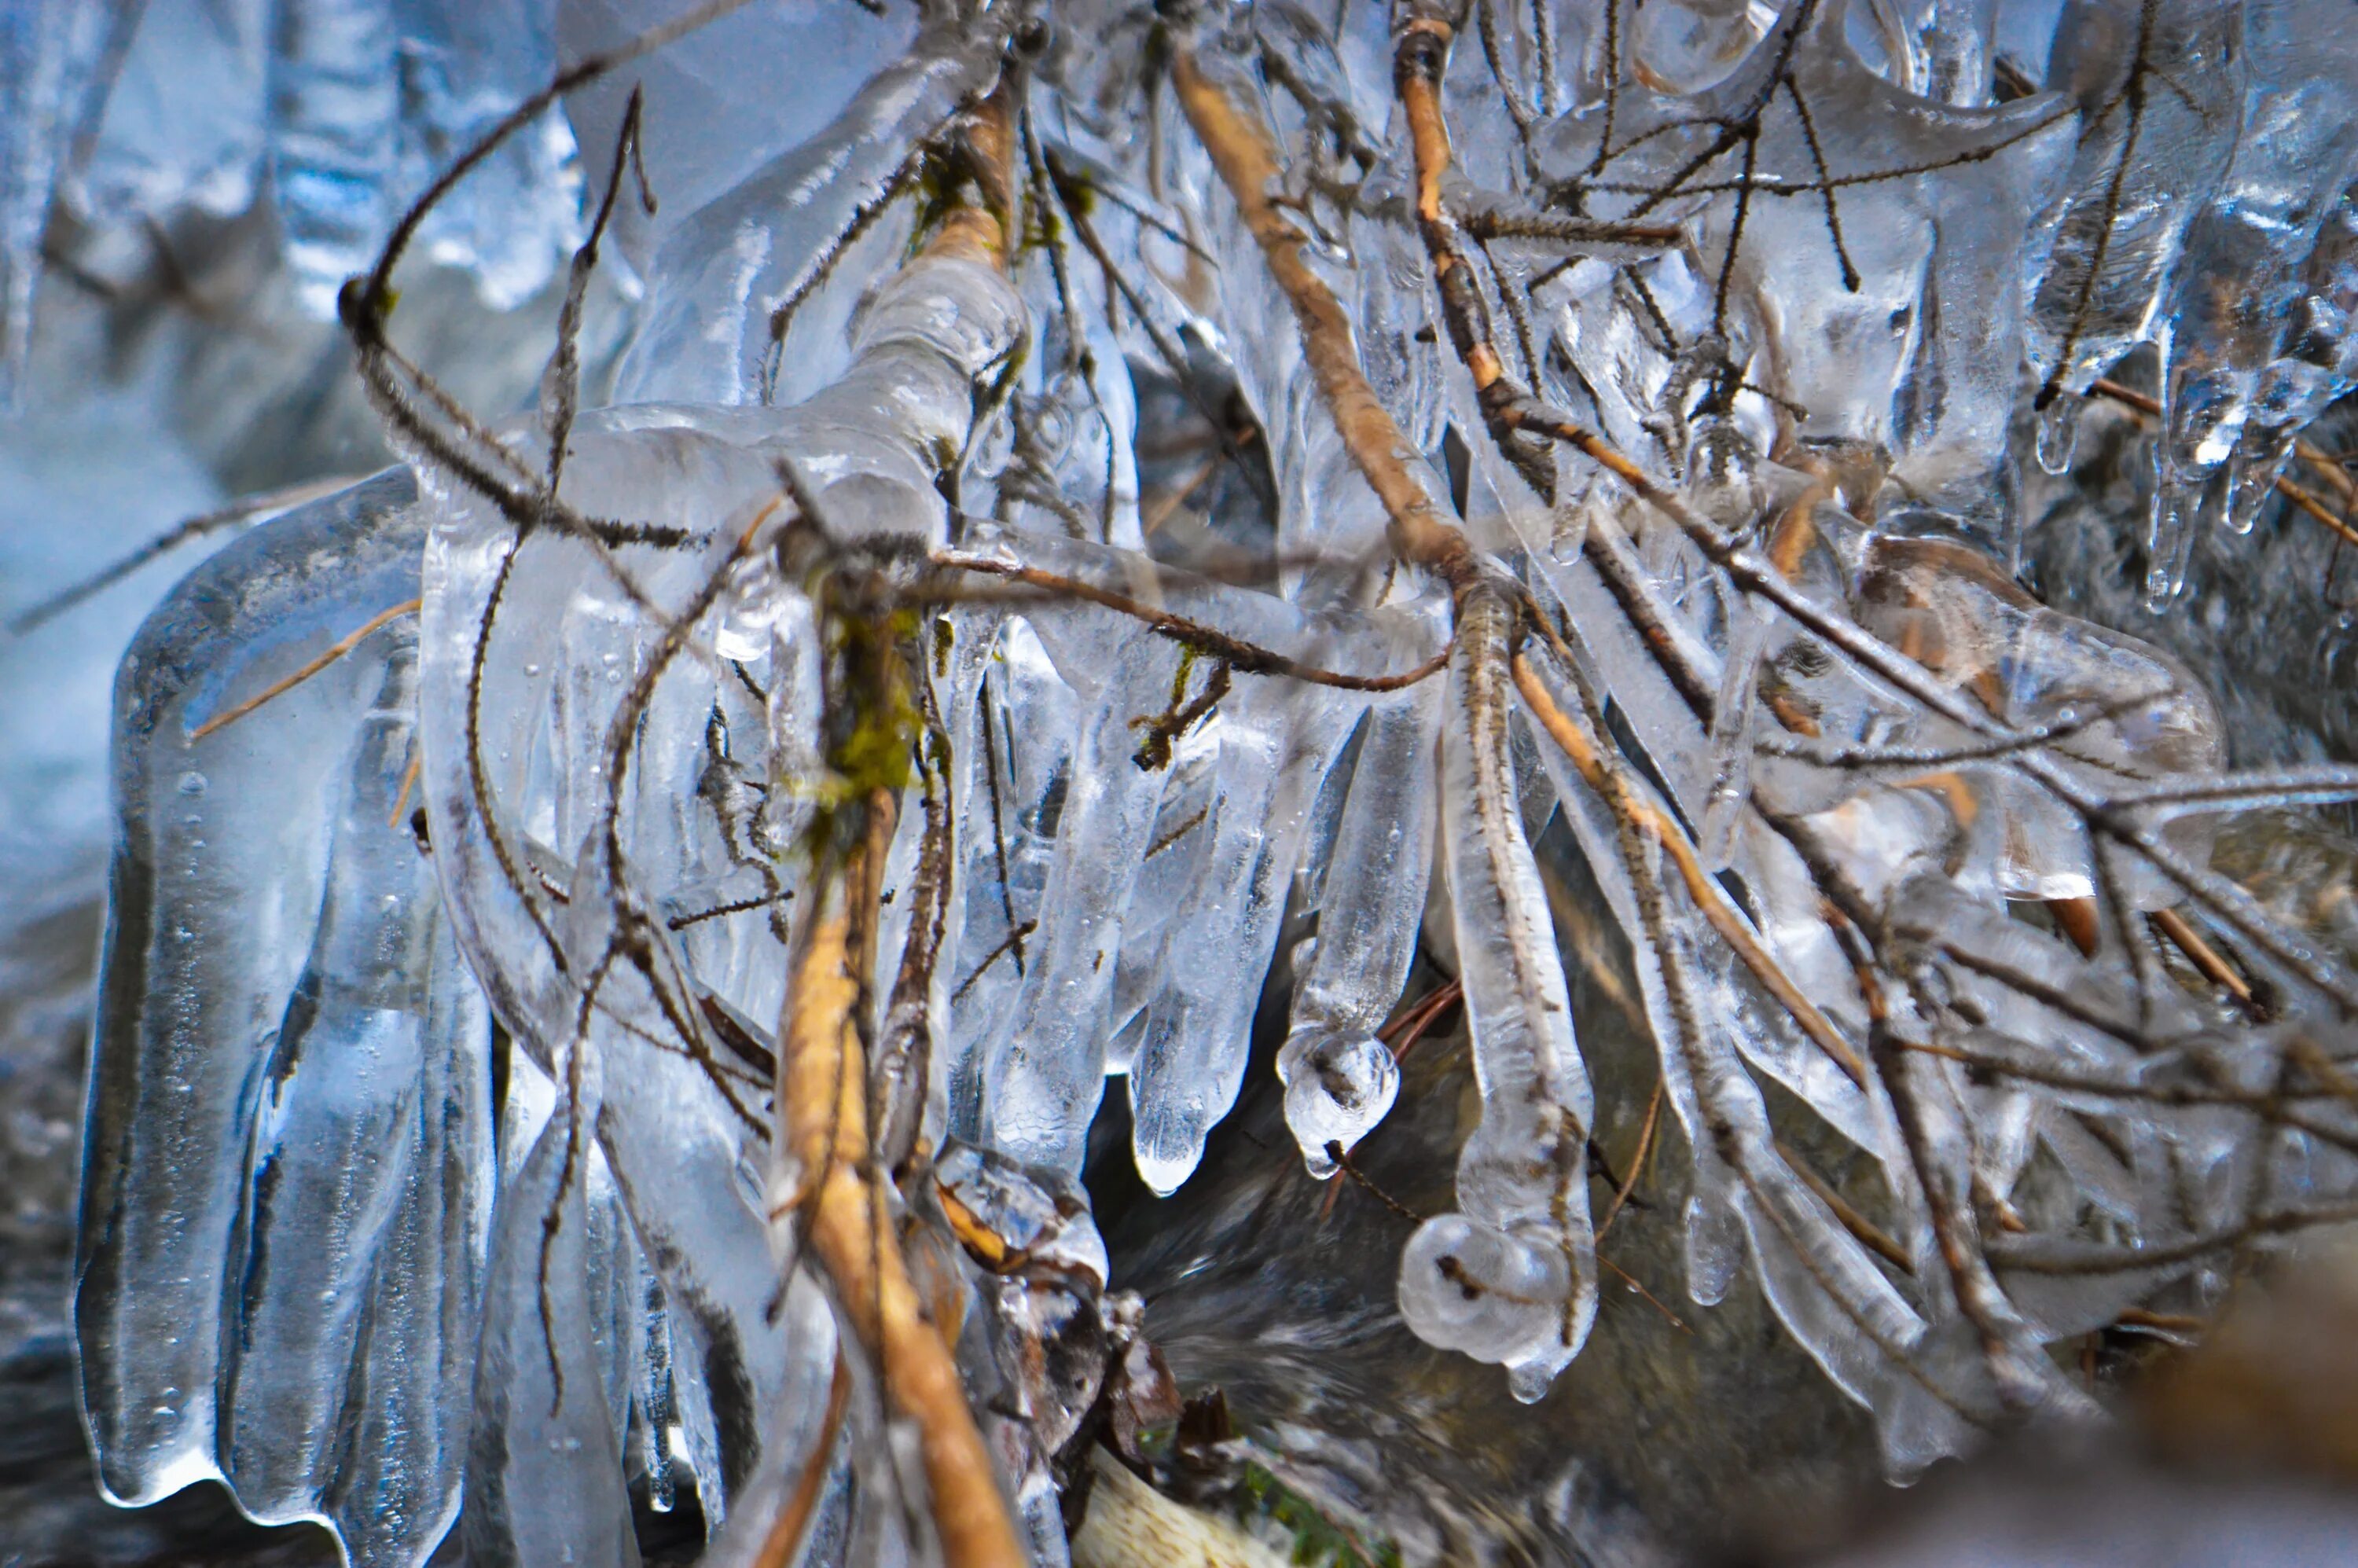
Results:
1924 812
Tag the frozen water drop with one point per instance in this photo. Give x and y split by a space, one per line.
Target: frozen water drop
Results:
1337 1089
1470 1288
2059 434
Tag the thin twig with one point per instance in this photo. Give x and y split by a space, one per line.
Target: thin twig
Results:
1249 659
288 683
251 507
794 1520
1707 892
1247 164
1637 1158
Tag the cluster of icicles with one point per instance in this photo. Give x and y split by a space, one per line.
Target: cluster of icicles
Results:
341 1251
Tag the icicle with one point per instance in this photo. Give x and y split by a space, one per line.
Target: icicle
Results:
1941 49
2059 433
1276 745
1340 1080
2251 473
2182 504
1513 1276
1019 764
1715 1240
370 1193
545 1479
335 102
217 882
914 1027
1042 1078
2124 218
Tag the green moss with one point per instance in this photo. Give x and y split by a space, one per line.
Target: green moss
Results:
945 638
939 187
1317 1540
874 725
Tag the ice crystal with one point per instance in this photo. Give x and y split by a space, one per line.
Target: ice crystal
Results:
1613 436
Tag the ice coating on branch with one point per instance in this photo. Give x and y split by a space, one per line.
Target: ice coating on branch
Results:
1881 243
725 283
1522 1187
534 879
1339 1080
1480 1291
2031 666
708 123
1965 1043
1337 1088
2148 158
276 1015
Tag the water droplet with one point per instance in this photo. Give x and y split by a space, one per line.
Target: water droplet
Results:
2059 434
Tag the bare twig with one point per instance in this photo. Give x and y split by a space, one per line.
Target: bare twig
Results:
288 683
249 508
1241 152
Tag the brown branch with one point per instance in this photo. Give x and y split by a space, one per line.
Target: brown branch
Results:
786 1532
1863 1229
1343 1163
2316 508
1250 658
1701 888
1954 1232
1630 1280
1405 1030
287 683
822 1106
831 1173
1240 151
2037 1255
409 782
2328 468
2202 955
